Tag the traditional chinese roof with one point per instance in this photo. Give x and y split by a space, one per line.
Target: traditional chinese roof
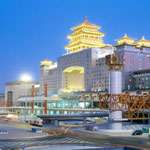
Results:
46 62
143 42
87 24
86 35
125 40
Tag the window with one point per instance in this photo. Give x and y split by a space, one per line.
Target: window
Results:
10 95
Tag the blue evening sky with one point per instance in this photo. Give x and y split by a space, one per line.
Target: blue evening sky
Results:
32 30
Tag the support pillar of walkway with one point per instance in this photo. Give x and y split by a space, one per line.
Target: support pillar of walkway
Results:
115 63
115 88
56 123
84 122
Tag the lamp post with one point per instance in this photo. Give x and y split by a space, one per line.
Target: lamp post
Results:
26 78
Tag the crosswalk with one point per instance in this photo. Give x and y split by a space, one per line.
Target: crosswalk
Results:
22 144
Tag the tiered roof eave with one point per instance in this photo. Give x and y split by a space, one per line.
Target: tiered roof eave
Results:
132 41
86 24
96 33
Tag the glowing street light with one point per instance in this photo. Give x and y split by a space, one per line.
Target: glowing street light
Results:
25 78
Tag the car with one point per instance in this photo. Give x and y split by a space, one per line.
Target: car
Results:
36 123
137 132
3 131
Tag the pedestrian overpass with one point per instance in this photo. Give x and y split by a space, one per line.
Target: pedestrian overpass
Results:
54 119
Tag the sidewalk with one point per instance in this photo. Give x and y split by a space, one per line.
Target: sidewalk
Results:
19 133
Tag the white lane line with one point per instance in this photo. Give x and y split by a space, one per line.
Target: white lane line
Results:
47 141
63 141
73 141
34 142
12 144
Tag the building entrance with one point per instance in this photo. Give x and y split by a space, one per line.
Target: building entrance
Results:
73 78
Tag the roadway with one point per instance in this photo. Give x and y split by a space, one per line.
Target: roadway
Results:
74 135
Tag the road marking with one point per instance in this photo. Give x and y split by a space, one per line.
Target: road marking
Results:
29 143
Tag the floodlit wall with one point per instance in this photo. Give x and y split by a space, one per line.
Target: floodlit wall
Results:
74 79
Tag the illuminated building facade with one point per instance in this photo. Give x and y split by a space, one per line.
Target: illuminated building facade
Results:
83 68
80 71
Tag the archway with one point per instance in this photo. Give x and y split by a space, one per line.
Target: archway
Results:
73 78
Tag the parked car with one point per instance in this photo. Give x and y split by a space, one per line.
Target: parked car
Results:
3 131
137 132
36 123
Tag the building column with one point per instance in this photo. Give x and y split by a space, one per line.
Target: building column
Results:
115 88
115 63
32 107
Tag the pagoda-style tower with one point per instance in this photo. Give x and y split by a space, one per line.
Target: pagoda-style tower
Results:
126 40
143 42
86 35
45 62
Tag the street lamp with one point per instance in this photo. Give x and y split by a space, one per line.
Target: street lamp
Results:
25 78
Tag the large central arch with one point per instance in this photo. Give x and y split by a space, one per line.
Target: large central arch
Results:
73 78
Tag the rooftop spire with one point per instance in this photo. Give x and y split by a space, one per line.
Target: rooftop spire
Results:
143 38
85 19
125 35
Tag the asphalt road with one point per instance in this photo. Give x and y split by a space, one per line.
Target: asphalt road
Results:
22 144
66 135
